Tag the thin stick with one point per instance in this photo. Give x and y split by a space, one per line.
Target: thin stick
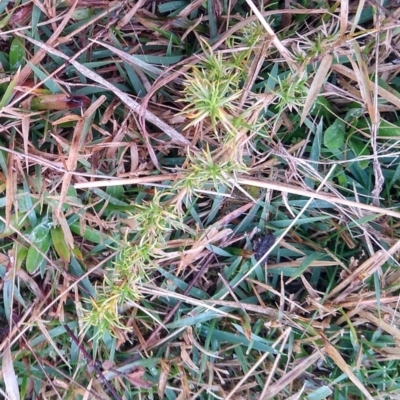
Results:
265 183
94 363
177 305
281 187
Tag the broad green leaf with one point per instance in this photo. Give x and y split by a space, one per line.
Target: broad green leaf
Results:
3 6
246 326
20 252
50 83
171 6
388 129
306 263
17 222
59 243
334 135
41 240
17 53
116 192
301 221
385 129
321 108
8 93
82 13
321 393
353 114
359 148
77 253
8 298
90 234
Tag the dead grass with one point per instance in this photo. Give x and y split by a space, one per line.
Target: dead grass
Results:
148 149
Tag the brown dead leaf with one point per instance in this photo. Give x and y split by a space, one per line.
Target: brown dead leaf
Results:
136 378
392 353
30 282
107 364
381 91
316 85
76 146
21 15
210 236
333 353
379 323
344 17
286 17
184 384
187 360
163 378
364 83
9 376
67 118
291 375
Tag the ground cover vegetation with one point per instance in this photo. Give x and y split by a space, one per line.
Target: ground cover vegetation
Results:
199 199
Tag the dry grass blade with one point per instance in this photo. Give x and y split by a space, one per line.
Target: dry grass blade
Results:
11 186
290 376
9 376
130 14
329 198
381 324
132 104
165 275
131 181
130 59
361 73
113 6
78 142
25 123
269 311
38 57
392 98
255 68
282 339
154 291
359 275
276 362
211 236
366 269
332 352
360 8
344 15
275 40
281 187
44 331
316 85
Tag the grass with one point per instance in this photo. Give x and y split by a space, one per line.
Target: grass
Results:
199 200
